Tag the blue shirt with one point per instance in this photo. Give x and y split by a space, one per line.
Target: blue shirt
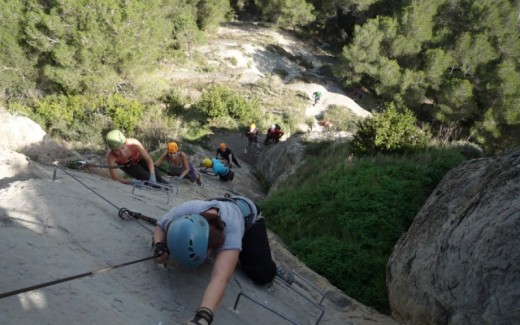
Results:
218 168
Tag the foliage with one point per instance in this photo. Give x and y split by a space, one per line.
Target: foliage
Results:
448 61
210 13
390 131
83 117
70 47
18 76
286 13
125 113
467 149
174 102
342 118
342 216
220 101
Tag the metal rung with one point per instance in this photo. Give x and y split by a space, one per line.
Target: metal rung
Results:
168 189
263 306
312 285
319 306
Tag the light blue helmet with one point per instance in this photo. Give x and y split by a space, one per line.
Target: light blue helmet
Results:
188 240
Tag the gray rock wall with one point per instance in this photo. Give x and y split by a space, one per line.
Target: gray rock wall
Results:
459 263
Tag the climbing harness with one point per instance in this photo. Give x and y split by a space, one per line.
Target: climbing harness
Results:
245 208
126 214
91 273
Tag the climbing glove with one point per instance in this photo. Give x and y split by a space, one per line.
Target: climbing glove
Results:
152 178
137 183
160 248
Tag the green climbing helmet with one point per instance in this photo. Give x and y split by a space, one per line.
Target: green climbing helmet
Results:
115 139
188 240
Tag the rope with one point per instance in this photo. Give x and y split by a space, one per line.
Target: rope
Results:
121 213
112 204
46 284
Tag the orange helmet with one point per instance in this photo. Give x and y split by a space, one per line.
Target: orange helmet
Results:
173 147
222 146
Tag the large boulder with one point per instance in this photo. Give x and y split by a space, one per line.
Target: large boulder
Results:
23 135
459 263
19 131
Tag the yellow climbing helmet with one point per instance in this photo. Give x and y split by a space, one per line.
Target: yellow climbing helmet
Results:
222 146
173 147
252 126
207 162
115 139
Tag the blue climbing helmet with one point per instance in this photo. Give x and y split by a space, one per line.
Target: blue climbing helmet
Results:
188 240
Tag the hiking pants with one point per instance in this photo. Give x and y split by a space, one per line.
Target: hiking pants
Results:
255 257
140 171
228 177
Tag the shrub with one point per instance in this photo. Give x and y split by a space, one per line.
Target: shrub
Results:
125 113
58 112
468 149
174 102
342 118
342 216
389 132
221 101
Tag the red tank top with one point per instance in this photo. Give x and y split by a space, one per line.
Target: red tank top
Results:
134 158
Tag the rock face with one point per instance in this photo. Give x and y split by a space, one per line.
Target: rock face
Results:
459 263
280 160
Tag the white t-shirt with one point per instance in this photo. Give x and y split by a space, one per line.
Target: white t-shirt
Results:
229 212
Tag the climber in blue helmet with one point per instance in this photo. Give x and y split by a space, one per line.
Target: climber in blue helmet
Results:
227 229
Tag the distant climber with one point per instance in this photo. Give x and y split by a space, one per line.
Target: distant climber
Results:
217 168
178 164
231 230
227 155
252 136
273 134
316 96
130 156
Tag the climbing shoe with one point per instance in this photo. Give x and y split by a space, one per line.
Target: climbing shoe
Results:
283 272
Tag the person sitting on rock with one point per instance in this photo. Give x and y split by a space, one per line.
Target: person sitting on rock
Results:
130 156
230 230
178 164
217 168
252 136
273 134
227 155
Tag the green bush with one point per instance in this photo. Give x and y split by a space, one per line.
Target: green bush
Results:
58 112
82 118
125 113
174 102
342 118
221 101
342 216
389 132
468 149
